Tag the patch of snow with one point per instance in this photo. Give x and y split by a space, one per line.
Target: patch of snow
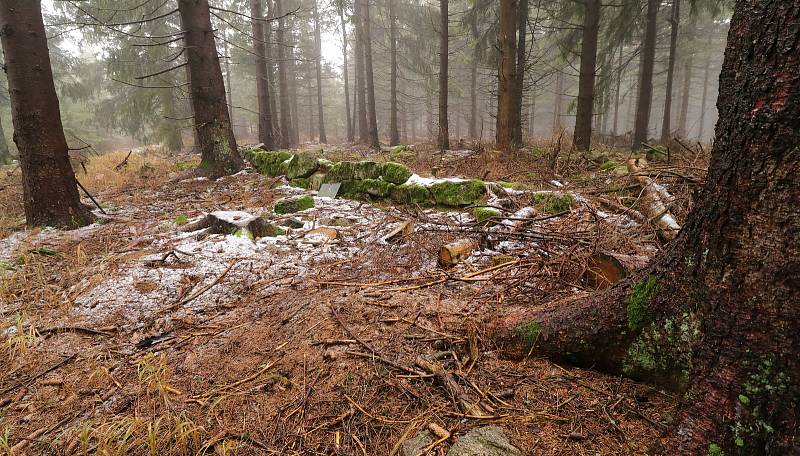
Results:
428 181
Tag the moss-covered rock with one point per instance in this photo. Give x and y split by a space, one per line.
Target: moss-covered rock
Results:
316 180
485 214
294 204
376 187
395 173
413 194
458 193
301 182
301 166
273 163
292 223
401 154
350 171
325 165
553 203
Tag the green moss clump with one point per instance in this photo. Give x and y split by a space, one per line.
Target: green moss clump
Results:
413 194
185 166
401 154
530 332
377 188
461 193
395 173
715 450
271 230
181 220
292 205
608 165
553 203
639 302
301 182
512 185
341 172
244 233
485 214
301 166
271 163
325 165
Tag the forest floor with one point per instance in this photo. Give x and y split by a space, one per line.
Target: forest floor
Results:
131 336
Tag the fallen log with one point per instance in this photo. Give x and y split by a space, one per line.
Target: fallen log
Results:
606 269
654 202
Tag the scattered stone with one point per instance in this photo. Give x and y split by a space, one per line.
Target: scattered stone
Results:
292 223
235 223
485 214
301 166
336 221
301 182
316 180
484 441
295 204
458 193
413 194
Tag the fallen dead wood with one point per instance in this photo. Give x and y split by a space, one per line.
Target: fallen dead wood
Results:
654 203
606 269
454 391
456 252
404 230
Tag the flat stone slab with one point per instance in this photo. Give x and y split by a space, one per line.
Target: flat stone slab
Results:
484 441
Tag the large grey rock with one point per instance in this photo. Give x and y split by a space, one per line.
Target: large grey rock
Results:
484 441
414 446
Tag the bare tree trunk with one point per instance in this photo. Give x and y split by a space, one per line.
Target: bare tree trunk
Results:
361 85
617 94
645 102
228 84
585 109
558 103
704 102
716 315
473 117
444 54
532 115
666 126
519 82
345 70
323 138
683 117
271 76
50 193
265 129
220 155
506 74
372 116
283 82
5 153
394 134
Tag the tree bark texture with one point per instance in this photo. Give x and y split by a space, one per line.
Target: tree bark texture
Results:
50 193
717 316
506 74
645 101
220 155
283 81
444 58
394 132
372 116
265 129
666 125
323 138
345 71
585 109
519 83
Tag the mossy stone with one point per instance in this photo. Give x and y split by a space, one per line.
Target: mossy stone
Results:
301 182
324 164
414 194
461 193
376 187
273 163
485 214
292 223
295 204
316 180
553 203
301 166
395 173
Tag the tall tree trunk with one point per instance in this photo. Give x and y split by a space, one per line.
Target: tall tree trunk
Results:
323 138
558 103
645 103
50 193
704 101
444 60
585 109
372 116
617 94
506 74
473 117
265 129
361 89
271 76
211 117
5 152
228 85
519 81
394 134
683 117
345 70
293 88
666 126
283 82
716 315
532 115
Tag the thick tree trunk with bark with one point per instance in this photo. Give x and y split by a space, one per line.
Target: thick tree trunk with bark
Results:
265 129
718 315
645 101
361 89
506 74
5 153
519 83
444 59
345 70
704 100
683 117
220 156
50 193
473 116
394 133
323 138
372 116
666 125
271 76
585 109
617 91
283 81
